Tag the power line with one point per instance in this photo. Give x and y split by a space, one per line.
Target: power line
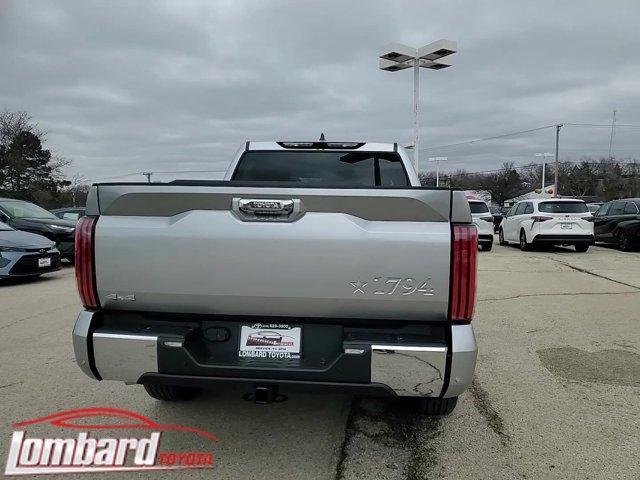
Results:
603 125
534 165
118 176
467 142
157 172
504 135
190 171
521 132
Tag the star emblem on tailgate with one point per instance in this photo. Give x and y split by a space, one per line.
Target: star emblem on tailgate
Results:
359 286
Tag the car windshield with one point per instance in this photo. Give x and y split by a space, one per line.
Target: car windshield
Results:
21 209
365 169
478 207
563 207
4 227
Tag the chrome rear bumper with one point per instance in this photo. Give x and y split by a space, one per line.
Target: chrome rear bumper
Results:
406 370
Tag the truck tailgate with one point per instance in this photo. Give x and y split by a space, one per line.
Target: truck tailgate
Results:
343 253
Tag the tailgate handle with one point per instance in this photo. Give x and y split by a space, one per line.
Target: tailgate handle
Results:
267 209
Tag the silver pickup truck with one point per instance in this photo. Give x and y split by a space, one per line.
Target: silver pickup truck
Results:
312 265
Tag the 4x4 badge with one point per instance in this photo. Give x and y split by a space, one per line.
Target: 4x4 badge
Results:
122 298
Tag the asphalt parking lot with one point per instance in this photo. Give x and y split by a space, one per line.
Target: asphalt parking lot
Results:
556 395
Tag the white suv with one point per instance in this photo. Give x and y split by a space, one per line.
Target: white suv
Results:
483 221
556 221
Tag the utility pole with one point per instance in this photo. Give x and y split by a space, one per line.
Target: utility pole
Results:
544 165
555 187
613 132
148 175
437 160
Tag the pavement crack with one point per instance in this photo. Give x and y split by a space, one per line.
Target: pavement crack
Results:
348 434
582 270
393 428
484 407
524 295
11 384
30 317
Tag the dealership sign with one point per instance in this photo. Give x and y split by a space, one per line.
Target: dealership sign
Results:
88 451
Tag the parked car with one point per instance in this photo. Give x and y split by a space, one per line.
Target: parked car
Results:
72 214
618 222
483 220
24 254
29 217
557 221
369 278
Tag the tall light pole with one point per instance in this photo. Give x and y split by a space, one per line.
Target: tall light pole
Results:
555 181
396 56
613 133
544 165
437 160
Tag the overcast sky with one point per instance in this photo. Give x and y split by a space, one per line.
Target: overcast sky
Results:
124 87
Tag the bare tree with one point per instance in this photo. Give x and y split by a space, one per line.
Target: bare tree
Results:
504 184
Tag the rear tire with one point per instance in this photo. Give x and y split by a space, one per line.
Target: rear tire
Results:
501 240
171 393
582 247
624 242
524 245
435 407
486 246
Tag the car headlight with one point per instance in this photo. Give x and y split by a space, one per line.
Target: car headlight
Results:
62 229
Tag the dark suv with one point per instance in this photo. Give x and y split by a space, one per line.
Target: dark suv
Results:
618 222
29 217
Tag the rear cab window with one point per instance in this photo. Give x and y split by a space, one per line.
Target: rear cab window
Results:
323 168
562 207
478 207
74 216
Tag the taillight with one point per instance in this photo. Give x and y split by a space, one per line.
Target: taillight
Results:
463 275
85 265
540 218
487 219
588 219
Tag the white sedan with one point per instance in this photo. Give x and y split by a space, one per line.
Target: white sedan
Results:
557 221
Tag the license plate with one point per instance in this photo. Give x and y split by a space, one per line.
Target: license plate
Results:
270 341
566 225
44 262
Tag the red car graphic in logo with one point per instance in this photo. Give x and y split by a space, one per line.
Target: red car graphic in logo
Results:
266 337
35 455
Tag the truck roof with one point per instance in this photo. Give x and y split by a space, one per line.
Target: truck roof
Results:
323 145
